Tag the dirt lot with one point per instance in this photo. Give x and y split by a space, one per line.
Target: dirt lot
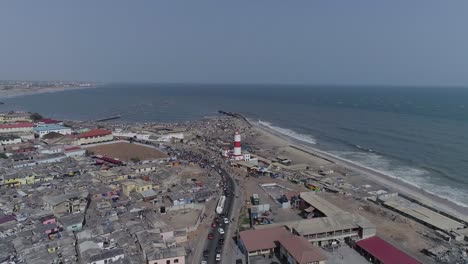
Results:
126 151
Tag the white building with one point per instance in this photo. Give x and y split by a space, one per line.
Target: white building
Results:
120 133
74 152
43 130
169 136
9 139
51 150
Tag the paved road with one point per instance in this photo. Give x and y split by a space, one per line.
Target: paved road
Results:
211 245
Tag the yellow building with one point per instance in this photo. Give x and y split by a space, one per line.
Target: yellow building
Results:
108 176
16 180
137 185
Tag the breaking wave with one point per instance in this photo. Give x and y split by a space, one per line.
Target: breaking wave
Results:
417 177
289 132
370 159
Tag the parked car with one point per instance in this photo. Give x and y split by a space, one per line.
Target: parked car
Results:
210 236
221 231
218 257
206 253
226 221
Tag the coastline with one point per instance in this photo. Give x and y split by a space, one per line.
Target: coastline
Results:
25 92
369 174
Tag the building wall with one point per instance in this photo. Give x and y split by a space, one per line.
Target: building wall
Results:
176 260
143 188
61 208
66 131
75 153
16 129
92 140
109 260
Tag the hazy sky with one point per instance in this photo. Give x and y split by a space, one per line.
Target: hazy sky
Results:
319 42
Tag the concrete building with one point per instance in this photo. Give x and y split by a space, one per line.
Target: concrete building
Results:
143 168
325 230
136 185
67 203
174 255
109 256
74 151
9 139
16 127
420 213
120 133
94 136
278 240
109 176
43 130
326 223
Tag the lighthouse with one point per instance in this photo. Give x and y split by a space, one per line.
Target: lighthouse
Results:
237 147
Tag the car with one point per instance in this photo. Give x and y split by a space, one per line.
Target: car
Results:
218 250
221 231
204 262
238 261
218 257
221 241
226 221
206 253
210 236
213 225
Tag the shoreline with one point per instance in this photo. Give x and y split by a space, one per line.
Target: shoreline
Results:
370 174
24 92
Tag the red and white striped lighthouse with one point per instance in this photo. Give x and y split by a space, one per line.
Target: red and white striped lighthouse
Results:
237 147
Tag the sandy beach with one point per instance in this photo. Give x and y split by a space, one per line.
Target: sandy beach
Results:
306 153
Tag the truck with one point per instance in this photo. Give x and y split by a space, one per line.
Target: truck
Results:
220 206
255 199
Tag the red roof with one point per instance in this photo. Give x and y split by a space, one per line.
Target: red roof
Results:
95 133
17 125
72 148
385 252
262 239
301 249
49 121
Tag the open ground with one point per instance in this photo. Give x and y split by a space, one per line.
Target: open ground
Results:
127 151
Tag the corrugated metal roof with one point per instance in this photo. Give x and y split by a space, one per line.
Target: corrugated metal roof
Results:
49 127
385 252
301 250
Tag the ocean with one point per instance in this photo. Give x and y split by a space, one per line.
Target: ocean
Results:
416 134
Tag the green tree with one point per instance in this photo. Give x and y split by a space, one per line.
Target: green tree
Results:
3 156
135 159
